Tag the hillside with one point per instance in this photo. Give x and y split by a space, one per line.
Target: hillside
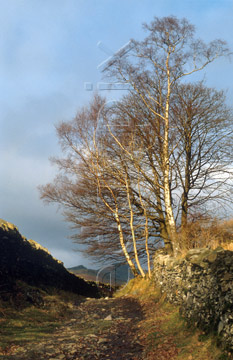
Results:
83 272
27 261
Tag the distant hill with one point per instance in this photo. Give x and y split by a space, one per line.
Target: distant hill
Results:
27 261
82 271
116 274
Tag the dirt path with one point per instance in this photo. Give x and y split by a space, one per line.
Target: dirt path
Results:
99 329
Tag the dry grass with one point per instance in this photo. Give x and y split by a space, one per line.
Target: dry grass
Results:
205 233
164 333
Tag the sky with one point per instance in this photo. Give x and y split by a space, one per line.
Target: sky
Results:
50 57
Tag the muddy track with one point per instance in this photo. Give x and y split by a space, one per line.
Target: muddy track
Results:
99 329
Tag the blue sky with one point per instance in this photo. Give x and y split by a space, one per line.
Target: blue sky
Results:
48 51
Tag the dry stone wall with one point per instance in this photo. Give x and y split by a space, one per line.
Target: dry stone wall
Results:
202 285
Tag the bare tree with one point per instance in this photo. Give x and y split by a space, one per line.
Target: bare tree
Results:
203 156
153 68
94 188
133 171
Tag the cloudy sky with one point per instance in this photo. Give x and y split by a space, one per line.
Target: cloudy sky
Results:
48 52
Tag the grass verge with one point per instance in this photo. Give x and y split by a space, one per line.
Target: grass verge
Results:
29 323
165 334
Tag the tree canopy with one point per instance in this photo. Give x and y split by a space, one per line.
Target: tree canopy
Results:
135 170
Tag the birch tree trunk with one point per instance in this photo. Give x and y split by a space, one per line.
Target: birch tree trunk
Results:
170 221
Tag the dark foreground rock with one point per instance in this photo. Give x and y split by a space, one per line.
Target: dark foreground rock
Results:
28 261
99 329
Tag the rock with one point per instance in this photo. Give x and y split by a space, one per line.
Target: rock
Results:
31 263
102 340
220 327
227 277
202 285
211 257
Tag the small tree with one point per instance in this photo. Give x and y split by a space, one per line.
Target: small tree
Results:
95 190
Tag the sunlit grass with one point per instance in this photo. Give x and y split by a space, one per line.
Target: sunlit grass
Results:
164 330
28 325
31 324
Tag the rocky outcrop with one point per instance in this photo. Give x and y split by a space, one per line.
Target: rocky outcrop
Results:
202 285
28 261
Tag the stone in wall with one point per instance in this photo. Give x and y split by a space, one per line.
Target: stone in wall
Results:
202 285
